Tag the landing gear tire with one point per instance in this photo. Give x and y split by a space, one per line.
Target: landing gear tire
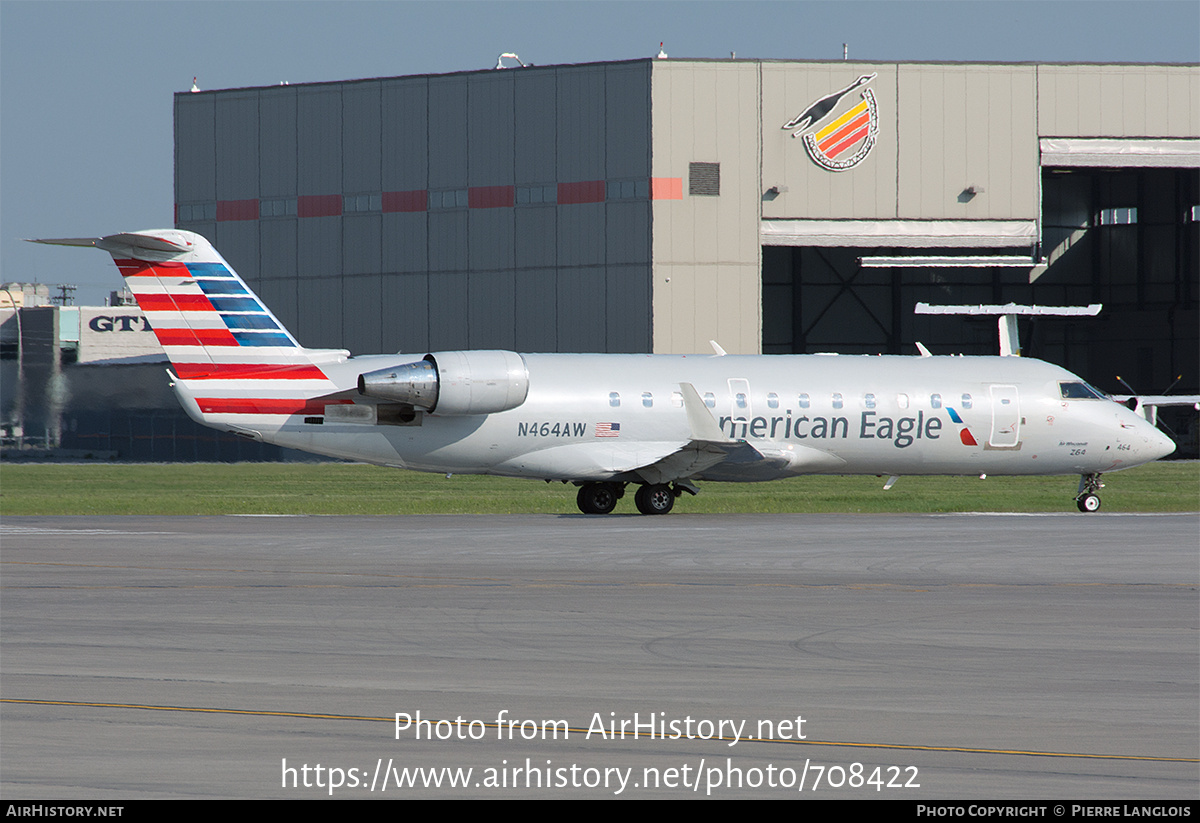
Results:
1086 498
597 498
655 498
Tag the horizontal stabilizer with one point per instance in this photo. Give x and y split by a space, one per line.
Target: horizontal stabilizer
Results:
159 240
67 241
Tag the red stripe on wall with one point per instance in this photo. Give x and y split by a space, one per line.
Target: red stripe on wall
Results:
195 337
847 143
319 205
666 188
490 197
246 371
846 128
237 210
855 126
588 191
250 405
406 200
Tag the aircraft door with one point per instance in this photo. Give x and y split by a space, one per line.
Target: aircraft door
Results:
739 397
739 407
1006 417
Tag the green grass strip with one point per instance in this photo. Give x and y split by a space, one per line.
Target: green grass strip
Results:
340 488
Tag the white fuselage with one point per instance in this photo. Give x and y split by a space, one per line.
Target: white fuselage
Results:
598 417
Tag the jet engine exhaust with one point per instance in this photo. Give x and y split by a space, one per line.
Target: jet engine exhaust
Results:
414 384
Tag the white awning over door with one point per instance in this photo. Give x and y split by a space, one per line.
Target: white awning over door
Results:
915 234
1120 153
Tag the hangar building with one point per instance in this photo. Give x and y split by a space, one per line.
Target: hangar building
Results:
653 205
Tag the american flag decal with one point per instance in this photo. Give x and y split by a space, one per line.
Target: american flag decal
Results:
608 429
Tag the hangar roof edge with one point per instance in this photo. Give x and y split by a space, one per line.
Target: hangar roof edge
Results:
714 60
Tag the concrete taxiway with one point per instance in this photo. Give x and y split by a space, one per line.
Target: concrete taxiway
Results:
989 656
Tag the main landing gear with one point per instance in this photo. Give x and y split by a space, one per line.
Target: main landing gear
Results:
655 498
651 498
1086 499
599 498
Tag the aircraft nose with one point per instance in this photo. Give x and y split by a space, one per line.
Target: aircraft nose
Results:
1158 444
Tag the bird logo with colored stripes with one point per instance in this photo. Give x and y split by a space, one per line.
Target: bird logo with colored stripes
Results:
845 141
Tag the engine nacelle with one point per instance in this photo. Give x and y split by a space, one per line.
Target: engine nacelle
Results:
454 382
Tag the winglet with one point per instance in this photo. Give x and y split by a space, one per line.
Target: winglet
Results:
924 351
717 348
700 419
1010 343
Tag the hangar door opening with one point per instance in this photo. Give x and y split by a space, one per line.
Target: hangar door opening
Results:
821 299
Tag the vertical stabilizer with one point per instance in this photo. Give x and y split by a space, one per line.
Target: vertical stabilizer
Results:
237 362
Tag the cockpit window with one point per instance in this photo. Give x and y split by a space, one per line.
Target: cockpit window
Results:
1080 391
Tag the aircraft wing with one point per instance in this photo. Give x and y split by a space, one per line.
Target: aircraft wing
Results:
693 458
1159 399
708 452
651 461
732 460
655 461
1147 404
592 461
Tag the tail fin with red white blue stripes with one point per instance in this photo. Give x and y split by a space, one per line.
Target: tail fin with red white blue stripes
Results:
235 360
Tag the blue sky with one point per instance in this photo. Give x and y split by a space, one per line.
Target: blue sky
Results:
86 88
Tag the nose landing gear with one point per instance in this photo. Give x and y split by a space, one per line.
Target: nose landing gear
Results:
1086 499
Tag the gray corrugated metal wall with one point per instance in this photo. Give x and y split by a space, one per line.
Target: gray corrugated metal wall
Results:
435 267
